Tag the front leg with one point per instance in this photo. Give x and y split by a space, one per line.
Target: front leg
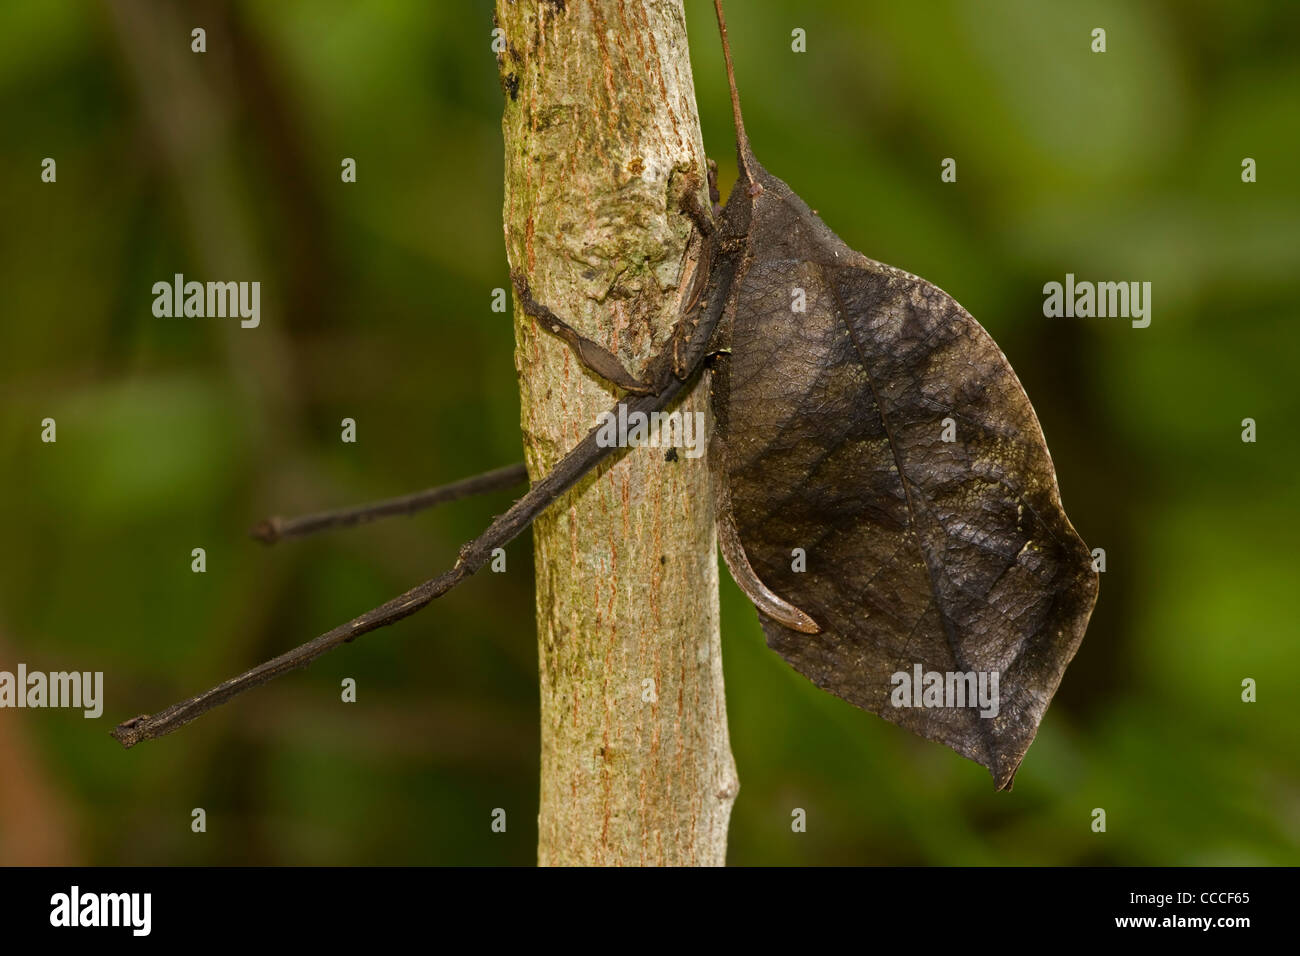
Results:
684 331
598 359
593 356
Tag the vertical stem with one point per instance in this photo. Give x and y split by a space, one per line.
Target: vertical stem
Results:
601 137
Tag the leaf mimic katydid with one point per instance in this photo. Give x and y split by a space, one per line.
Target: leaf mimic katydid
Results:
942 585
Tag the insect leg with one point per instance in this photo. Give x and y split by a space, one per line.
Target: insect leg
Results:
276 528
699 214
592 355
733 552
715 197
586 455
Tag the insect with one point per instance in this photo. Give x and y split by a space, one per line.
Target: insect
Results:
878 431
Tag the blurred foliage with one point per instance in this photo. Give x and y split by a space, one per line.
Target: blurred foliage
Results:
179 434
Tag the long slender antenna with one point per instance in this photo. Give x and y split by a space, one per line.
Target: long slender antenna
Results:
742 141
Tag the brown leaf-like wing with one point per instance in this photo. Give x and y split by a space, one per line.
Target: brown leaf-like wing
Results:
953 555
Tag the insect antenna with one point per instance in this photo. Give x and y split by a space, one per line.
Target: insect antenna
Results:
743 152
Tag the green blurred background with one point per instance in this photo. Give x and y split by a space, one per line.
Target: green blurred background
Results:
376 306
